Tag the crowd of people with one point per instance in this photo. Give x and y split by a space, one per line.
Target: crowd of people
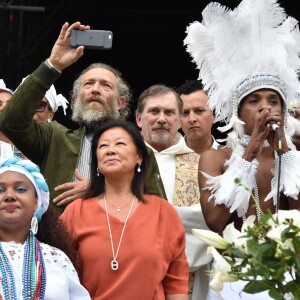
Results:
106 211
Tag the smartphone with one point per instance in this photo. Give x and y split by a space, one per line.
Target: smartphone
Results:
92 39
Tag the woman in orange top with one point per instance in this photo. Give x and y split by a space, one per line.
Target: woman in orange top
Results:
131 245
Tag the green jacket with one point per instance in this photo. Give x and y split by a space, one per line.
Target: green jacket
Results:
52 146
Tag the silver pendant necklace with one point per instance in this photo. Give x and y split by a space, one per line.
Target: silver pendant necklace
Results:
118 207
114 263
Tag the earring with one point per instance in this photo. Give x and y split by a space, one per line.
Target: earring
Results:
98 172
34 224
138 168
49 120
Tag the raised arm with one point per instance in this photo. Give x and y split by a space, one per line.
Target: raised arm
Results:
62 54
16 119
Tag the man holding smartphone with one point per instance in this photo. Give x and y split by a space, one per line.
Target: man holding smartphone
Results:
100 93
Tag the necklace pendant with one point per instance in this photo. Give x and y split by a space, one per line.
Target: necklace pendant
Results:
118 209
114 265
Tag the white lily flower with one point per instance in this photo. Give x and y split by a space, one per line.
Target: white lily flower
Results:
221 270
234 236
277 228
275 234
293 214
211 238
248 223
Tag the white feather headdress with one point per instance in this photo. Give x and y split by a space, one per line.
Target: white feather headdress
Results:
238 51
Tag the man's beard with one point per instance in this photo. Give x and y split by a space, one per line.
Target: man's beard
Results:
93 117
160 136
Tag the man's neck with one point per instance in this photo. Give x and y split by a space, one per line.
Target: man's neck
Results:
159 147
199 146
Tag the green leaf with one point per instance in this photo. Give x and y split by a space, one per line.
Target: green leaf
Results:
293 286
257 286
275 294
267 249
296 244
235 252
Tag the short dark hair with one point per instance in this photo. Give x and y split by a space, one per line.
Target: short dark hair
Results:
189 87
97 183
157 90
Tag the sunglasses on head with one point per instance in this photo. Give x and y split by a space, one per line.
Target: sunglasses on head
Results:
42 106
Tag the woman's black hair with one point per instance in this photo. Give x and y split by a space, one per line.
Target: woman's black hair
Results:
97 180
52 231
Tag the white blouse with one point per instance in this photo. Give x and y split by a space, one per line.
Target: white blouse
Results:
62 281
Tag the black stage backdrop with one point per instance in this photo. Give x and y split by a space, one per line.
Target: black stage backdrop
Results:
147 43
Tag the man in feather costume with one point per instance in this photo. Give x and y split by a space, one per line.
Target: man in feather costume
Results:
249 62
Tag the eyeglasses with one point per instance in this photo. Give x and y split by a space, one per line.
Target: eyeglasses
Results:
42 106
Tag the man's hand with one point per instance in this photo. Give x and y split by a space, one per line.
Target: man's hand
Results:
62 54
73 190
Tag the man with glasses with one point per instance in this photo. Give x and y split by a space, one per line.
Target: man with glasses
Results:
49 105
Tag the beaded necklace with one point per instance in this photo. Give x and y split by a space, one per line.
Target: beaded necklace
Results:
33 276
244 141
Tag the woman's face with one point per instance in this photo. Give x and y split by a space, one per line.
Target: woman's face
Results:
18 201
117 153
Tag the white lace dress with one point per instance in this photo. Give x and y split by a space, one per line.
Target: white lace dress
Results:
61 278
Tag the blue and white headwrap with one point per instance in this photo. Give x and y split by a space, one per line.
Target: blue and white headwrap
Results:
32 172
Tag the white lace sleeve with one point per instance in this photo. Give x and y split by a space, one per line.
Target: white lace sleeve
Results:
54 256
225 191
290 176
62 279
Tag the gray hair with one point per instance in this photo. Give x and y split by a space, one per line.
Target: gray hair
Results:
122 86
157 90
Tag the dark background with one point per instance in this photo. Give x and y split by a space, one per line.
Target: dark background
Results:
147 43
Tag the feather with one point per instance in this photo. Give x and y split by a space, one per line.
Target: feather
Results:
225 191
289 177
257 37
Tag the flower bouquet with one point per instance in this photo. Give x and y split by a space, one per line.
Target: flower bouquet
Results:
265 254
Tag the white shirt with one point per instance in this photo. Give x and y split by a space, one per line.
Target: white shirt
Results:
61 278
6 151
191 216
166 162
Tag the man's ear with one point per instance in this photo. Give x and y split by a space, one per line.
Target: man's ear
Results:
213 119
51 115
121 102
138 120
179 122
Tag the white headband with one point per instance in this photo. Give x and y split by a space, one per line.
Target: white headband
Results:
3 87
55 100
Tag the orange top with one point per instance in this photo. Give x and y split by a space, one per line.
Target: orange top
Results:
152 260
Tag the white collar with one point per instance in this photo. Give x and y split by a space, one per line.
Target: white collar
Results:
179 148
